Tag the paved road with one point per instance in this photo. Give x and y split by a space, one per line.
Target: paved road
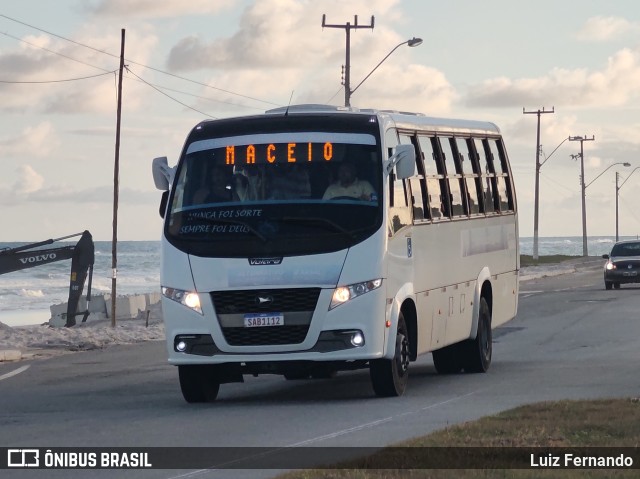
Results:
571 339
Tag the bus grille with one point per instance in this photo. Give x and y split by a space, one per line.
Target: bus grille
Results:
228 303
282 300
265 336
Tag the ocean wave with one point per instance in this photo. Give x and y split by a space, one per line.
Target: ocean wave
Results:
31 293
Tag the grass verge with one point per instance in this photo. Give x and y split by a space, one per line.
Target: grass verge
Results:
564 424
527 260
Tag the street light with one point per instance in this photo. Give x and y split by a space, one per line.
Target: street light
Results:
413 42
590 183
617 193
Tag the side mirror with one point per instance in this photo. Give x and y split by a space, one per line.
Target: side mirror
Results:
404 161
162 173
605 256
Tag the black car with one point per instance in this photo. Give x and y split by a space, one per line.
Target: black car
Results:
623 265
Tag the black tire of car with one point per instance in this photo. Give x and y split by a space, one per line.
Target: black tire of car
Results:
198 383
608 285
477 357
389 377
616 285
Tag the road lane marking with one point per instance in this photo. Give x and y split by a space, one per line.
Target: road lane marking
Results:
375 423
15 373
324 437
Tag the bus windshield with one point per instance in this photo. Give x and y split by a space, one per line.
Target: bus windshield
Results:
276 194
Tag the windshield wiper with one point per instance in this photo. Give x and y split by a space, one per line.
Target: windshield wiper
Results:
327 223
236 222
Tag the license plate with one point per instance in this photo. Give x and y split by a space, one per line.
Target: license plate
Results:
261 320
631 273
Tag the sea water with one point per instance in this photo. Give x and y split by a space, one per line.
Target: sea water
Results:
26 295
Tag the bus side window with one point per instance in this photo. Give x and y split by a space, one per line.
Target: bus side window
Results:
489 181
418 184
454 178
469 176
505 189
399 212
433 178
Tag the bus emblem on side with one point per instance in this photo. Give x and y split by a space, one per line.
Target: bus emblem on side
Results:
264 261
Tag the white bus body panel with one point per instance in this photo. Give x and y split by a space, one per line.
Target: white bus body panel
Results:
349 266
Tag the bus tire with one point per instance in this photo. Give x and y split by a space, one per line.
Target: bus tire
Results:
389 377
448 360
479 350
198 383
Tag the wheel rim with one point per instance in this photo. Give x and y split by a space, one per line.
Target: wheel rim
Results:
402 353
485 341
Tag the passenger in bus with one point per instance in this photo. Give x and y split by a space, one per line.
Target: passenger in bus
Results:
349 185
217 191
289 182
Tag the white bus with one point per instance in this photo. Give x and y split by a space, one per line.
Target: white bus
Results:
313 239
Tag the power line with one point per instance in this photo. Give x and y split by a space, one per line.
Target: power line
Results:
136 63
106 72
168 96
53 52
58 81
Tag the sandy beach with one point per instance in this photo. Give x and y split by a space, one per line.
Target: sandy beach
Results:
41 341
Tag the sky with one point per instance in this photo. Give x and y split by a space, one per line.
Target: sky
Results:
190 61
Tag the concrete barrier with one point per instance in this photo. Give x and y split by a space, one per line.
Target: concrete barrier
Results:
127 307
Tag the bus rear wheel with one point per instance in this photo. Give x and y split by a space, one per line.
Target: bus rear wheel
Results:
198 383
389 377
477 357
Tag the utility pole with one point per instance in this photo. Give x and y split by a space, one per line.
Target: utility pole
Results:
116 175
583 186
537 185
347 68
617 193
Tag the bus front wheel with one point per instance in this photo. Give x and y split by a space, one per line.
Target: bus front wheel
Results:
389 376
198 383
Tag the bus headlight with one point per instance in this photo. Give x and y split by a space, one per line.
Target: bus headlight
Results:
343 294
190 299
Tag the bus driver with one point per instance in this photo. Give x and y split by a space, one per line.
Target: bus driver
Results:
349 185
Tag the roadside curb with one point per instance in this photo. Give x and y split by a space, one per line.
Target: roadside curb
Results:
528 273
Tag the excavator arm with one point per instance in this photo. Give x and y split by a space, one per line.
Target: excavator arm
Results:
82 258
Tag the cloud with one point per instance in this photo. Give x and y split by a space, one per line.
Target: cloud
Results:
30 189
602 29
36 141
276 33
29 181
158 8
414 88
46 71
280 48
613 85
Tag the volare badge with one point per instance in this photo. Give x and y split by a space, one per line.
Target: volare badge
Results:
264 261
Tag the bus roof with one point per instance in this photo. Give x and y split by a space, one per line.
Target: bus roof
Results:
400 119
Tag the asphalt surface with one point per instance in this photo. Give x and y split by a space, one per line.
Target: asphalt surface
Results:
570 340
